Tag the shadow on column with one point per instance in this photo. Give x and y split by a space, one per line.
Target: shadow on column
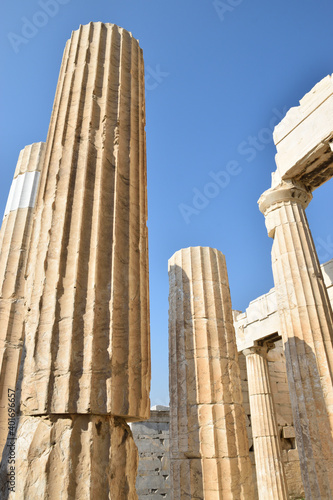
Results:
311 419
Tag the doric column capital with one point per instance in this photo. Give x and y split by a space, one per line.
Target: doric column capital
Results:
259 348
288 191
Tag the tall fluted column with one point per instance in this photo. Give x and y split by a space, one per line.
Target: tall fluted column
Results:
14 243
87 365
271 478
306 323
209 445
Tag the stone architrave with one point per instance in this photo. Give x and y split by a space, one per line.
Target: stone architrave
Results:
271 478
14 244
208 440
306 326
304 138
86 371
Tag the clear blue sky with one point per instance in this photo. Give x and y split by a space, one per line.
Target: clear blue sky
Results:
216 76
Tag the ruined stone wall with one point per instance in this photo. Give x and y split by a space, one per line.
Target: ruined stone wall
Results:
152 440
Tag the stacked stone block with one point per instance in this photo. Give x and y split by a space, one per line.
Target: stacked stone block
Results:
152 440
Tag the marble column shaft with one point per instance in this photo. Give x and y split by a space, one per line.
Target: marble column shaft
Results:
271 478
208 440
86 370
306 326
14 243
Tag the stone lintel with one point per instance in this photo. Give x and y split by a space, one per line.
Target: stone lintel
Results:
260 347
258 321
261 320
304 137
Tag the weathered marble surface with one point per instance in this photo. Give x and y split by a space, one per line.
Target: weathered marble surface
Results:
304 138
86 369
14 245
73 457
208 441
271 479
306 327
87 333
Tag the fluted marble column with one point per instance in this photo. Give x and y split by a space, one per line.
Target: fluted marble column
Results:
209 445
87 365
271 478
306 324
14 243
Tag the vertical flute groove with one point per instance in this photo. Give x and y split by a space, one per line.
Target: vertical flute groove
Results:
15 235
306 322
91 284
271 478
